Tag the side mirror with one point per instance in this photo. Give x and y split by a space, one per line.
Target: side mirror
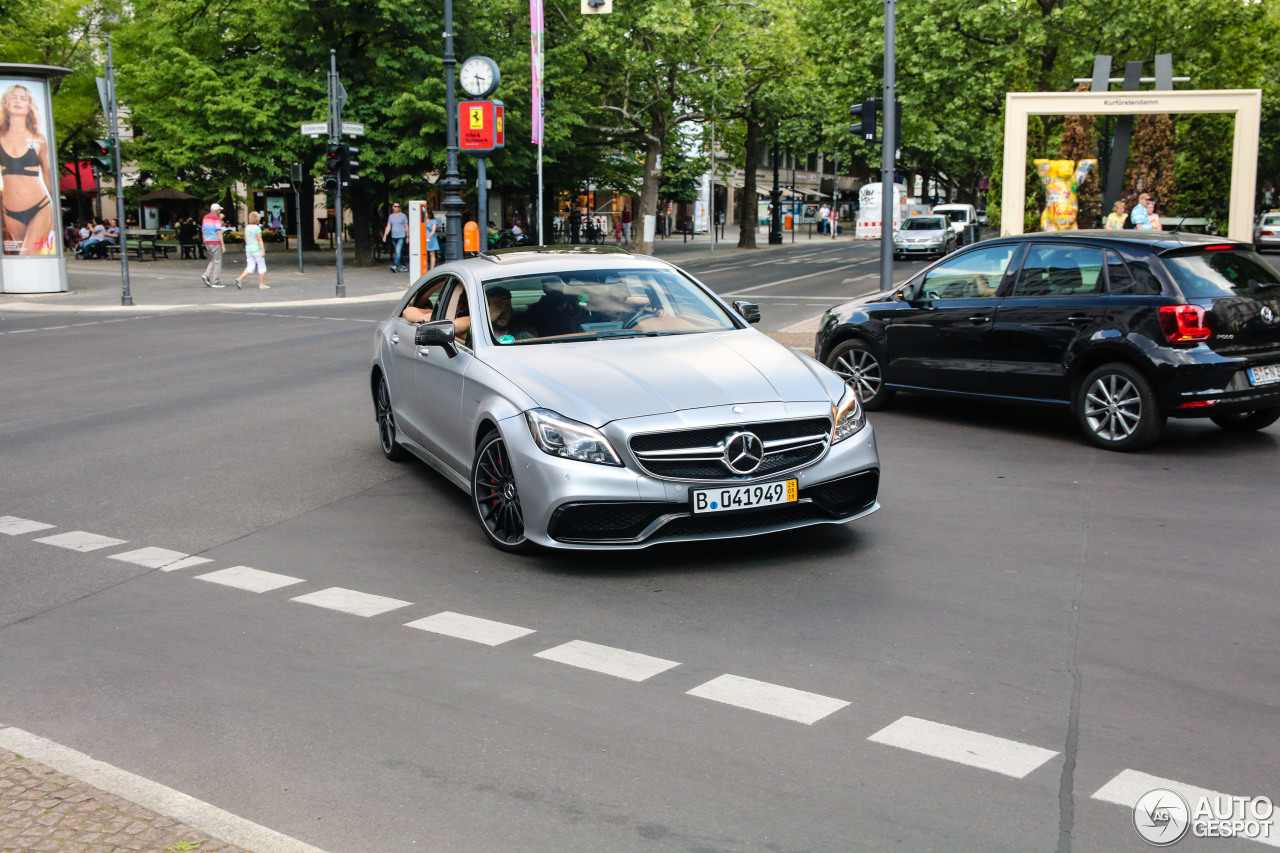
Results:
439 334
749 311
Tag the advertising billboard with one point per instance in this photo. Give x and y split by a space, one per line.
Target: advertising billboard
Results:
30 216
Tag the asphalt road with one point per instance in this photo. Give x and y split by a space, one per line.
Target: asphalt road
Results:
1023 622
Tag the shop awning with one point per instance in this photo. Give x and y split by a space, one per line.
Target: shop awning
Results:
67 183
168 195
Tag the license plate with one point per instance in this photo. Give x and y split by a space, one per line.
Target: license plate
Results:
732 498
1265 375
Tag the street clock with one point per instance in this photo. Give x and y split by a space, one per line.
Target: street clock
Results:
479 76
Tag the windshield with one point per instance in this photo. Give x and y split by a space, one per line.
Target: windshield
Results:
595 304
1221 274
924 223
955 215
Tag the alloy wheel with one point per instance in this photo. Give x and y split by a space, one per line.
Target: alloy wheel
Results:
1113 407
861 370
496 497
386 422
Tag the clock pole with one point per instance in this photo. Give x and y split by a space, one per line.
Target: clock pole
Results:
452 182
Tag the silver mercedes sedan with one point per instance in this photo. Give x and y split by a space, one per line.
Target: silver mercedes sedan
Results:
592 398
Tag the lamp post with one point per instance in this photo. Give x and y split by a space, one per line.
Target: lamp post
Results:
452 182
775 220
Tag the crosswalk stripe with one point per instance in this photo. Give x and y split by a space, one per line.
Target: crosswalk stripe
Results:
11 525
254 580
159 558
1128 786
471 628
785 702
79 540
963 746
351 601
624 664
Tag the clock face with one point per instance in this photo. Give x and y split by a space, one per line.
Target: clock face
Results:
478 76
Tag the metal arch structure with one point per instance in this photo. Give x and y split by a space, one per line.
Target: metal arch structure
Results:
1245 105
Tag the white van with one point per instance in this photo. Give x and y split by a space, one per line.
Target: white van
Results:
959 215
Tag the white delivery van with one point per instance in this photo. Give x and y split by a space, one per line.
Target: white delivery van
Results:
959 215
868 224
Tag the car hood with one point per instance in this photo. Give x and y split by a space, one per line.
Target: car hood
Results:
932 233
596 382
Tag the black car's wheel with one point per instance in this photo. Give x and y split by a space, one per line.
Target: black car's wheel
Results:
391 447
860 367
1117 409
495 496
1248 421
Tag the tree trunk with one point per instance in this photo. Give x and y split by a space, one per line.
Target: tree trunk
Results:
649 190
748 209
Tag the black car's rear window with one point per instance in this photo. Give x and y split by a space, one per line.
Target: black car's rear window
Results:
1221 273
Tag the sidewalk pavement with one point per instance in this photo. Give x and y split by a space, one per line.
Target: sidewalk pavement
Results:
173 284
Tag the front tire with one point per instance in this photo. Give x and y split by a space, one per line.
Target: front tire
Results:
1117 409
1247 421
387 432
862 370
495 497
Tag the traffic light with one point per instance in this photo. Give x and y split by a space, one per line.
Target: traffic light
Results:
866 128
102 152
350 165
332 165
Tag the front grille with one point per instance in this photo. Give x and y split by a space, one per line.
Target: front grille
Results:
847 495
606 521
697 454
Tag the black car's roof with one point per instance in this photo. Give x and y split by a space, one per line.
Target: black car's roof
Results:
1155 241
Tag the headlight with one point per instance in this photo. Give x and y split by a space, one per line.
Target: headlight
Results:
562 437
849 417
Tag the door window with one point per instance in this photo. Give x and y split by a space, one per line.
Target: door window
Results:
421 306
973 275
1061 271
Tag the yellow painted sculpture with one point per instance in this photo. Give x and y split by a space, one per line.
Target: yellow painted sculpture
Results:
1060 186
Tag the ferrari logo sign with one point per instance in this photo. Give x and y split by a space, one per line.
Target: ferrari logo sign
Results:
480 127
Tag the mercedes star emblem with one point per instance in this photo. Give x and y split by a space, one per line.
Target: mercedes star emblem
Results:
743 452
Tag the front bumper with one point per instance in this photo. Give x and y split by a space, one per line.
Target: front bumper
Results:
919 249
578 505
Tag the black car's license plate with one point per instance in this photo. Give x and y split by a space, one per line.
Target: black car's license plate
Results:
1265 375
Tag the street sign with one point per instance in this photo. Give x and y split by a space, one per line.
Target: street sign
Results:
315 128
480 127
353 128
104 97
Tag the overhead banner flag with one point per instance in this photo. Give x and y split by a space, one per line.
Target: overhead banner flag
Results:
535 49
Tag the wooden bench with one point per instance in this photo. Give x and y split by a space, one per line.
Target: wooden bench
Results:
142 243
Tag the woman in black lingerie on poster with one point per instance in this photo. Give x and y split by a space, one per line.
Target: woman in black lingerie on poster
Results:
25 177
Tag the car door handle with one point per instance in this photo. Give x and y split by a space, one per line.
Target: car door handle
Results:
978 318
395 338
1079 320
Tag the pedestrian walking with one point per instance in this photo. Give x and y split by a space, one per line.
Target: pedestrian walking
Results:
211 231
626 223
254 253
433 240
398 229
575 225
1115 219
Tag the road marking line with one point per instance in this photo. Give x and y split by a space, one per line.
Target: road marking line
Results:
810 325
160 558
19 331
629 665
254 580
11 525
787 280
785 702
471 628
184 808
351 601
861 278
963 746
1128 786
79 540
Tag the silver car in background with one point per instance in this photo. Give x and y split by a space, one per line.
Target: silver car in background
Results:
925 236
596 399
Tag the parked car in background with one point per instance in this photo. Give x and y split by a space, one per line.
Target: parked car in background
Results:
1266 233
924 236
1122 328
598 399
982 216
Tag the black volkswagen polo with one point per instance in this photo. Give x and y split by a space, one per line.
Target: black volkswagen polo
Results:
1127 328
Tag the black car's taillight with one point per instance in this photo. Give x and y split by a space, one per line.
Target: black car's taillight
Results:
1183 323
